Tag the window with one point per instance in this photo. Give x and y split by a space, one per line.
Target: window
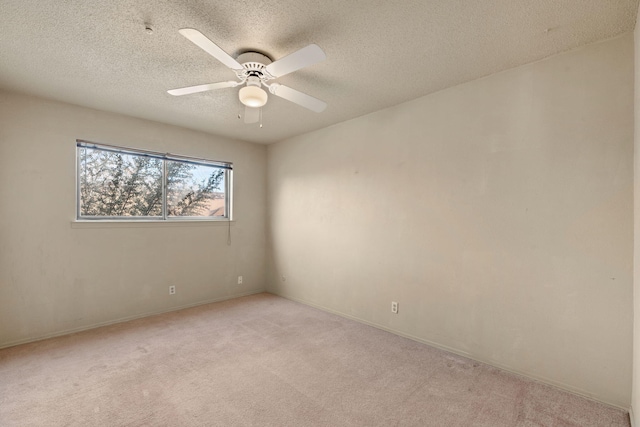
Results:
122 183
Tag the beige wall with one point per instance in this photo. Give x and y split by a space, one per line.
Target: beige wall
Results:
56 276
635 400
498 213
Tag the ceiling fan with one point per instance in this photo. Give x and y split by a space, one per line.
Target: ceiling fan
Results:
254 70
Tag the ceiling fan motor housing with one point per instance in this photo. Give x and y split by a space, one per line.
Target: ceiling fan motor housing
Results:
254 64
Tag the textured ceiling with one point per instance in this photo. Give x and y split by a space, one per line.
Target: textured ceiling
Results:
97 53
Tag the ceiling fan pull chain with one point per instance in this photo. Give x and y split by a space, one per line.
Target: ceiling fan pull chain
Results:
260 117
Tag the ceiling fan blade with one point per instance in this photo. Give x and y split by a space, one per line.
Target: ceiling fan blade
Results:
313 104
251 115
210 47
202 88
304 57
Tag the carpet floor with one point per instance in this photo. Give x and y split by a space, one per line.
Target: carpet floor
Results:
266 361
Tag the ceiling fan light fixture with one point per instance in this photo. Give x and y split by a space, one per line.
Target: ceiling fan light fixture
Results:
253 96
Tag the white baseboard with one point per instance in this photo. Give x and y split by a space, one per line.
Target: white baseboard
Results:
538 378
632 418
124 319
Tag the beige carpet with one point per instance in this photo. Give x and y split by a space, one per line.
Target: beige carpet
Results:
266 361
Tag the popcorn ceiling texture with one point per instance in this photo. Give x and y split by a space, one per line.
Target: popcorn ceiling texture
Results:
97 54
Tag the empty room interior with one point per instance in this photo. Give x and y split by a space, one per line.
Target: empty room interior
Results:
319 213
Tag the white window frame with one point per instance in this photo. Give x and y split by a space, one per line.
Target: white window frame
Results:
228 184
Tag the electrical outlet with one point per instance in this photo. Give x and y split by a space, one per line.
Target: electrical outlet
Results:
394 307
172 290
239 280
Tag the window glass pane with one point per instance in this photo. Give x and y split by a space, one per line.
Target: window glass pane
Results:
118 184
195 190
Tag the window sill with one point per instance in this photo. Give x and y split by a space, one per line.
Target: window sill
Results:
99 223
